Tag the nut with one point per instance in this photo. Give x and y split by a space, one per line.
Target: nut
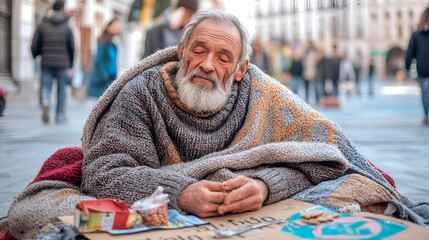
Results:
155 217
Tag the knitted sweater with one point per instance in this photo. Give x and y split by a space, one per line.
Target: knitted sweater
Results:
139 135
264 131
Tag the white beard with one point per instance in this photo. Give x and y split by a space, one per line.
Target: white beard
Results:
198 97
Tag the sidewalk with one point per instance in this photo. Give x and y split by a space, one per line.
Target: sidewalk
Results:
25 142
386 129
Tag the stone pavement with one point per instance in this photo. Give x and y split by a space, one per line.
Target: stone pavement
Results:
387 130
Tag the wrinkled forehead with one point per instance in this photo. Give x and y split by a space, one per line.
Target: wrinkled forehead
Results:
223 34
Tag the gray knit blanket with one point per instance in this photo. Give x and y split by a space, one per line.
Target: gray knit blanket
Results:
140 136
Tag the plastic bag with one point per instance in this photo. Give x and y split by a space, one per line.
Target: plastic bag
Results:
153 209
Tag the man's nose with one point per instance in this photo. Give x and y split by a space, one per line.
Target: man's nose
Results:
207 63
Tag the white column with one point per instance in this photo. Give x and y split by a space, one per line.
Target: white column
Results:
22 34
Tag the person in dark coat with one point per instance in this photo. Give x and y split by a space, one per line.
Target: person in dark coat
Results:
53 40
418 48
296 70
170 30
259 57
321 75
370 78
105 68
334 70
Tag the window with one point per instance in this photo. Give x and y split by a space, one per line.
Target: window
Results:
387 24
307 5
334 27
400 32
321 29
295 5
5 36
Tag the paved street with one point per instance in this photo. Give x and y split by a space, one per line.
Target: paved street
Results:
387 130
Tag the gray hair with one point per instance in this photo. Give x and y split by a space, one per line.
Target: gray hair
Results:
216 15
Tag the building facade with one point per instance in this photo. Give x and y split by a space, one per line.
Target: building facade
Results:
19 18
362 28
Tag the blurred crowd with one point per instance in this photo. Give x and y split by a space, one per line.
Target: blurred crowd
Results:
318 74
315 75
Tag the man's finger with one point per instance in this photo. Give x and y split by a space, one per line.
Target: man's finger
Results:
247 204
234 183
213 186
209 210
217 197
238 195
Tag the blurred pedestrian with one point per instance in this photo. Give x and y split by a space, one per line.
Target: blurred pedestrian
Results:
321 75
53 40
295 71
259 57
309 72
357 65
333 66
418 48
105 68
370 78
347 74
170 30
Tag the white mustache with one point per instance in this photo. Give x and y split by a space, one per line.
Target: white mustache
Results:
209 76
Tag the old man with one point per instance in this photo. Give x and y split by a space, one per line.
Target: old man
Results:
220 136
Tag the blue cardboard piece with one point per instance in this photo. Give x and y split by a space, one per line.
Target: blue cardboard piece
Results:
176 220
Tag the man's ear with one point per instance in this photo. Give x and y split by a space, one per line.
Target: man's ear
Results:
179 50
241 71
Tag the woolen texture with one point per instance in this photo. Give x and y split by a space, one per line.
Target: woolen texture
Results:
140 136
65 166
53 193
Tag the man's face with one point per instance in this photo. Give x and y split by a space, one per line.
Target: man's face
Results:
208 66
213 48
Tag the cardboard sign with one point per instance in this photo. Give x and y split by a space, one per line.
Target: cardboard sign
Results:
279 210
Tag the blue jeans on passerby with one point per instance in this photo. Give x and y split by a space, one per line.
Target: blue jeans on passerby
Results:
370 85
424 85
319 88
48 75
296 83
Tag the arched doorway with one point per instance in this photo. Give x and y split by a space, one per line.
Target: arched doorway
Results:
395 60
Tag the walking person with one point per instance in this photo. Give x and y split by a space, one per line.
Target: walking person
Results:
259 57
105 68
295 71
170 30
347 73
309 64
53 40
370 78
321 76
334 70
418 48
357 65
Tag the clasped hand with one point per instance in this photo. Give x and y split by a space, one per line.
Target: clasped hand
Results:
207 198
